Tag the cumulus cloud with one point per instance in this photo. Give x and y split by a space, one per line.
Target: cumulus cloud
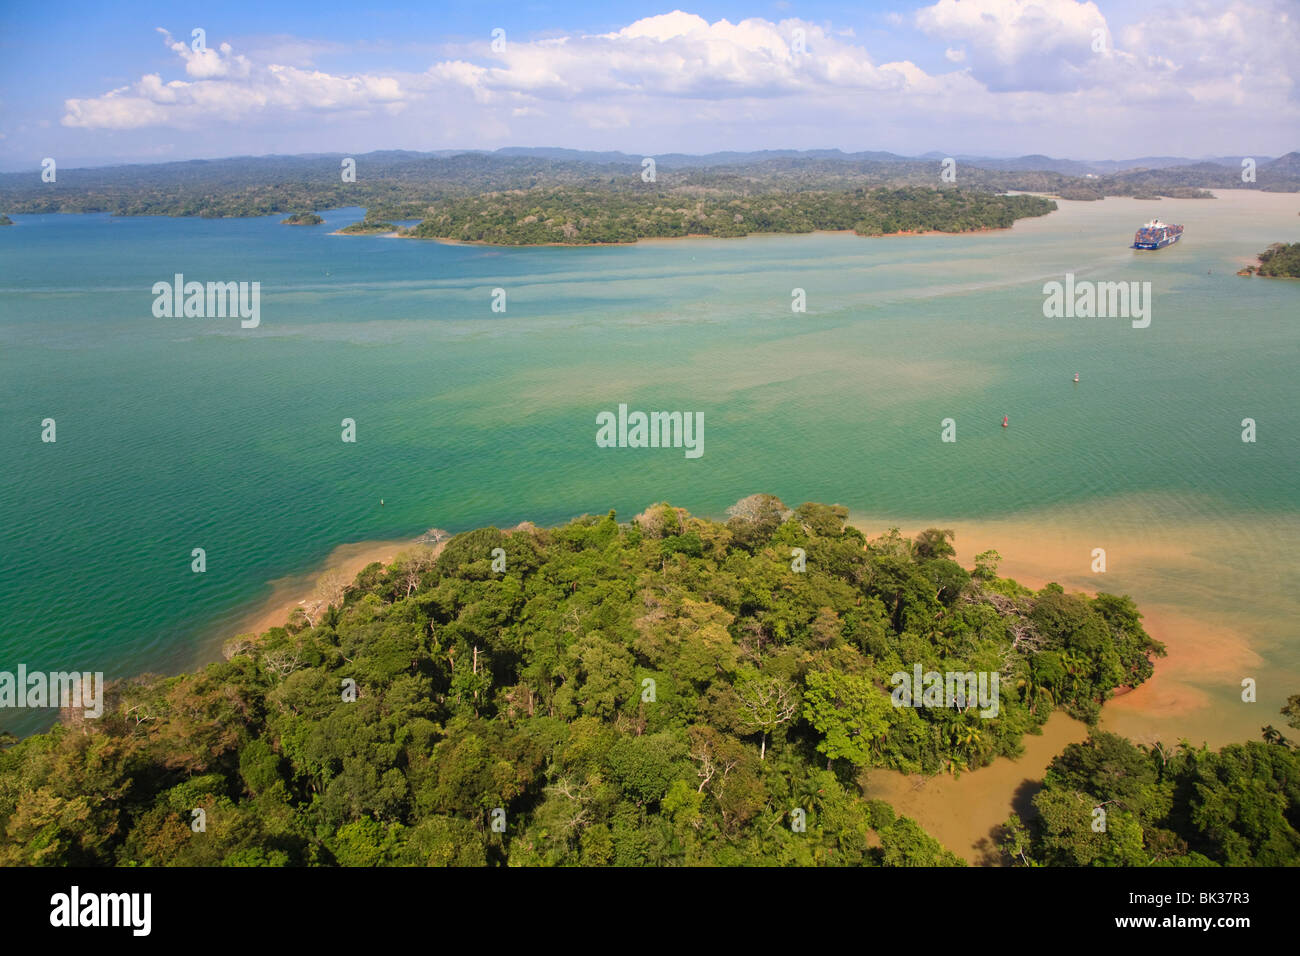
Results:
1223 55
204 63
226 86
1204 52
1022 44
1046 70
683 55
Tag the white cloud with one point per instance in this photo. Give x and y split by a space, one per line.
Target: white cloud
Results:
1009 68
1019 44
206 63
1198 52
229 87
680 54
1234 56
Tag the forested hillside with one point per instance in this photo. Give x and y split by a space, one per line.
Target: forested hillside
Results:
666 691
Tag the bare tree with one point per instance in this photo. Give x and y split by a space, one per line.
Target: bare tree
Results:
283 662
240 644
411 566
1025 637
705 753
759 508
661 520
752 633
330 591
578 796
765 704
136 715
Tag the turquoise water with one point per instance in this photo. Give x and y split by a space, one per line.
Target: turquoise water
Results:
175 434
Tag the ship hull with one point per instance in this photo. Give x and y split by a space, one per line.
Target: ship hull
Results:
1159 243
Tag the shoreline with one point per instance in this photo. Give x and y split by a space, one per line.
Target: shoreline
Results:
985 797
1208 650
988 795
294 591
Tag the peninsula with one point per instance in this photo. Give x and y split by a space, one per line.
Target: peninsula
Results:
655 692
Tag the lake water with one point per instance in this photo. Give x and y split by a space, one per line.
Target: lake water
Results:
175 434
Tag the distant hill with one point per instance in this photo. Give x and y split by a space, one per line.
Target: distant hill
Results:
402 184
1288 165
1068 167
1278 175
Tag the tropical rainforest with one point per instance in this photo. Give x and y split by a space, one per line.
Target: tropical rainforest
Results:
1110 802
665 691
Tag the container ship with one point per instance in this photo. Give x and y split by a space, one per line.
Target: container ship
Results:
1157 235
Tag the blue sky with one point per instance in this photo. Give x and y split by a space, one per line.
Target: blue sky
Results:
94 83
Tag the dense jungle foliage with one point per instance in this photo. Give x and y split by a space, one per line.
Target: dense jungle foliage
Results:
667 691
1110 802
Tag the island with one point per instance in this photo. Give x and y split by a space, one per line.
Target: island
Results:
5 220
302 219
367 227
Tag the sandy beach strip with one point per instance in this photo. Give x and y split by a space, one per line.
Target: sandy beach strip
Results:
294 591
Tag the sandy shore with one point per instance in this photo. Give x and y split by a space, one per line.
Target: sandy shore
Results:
292 592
